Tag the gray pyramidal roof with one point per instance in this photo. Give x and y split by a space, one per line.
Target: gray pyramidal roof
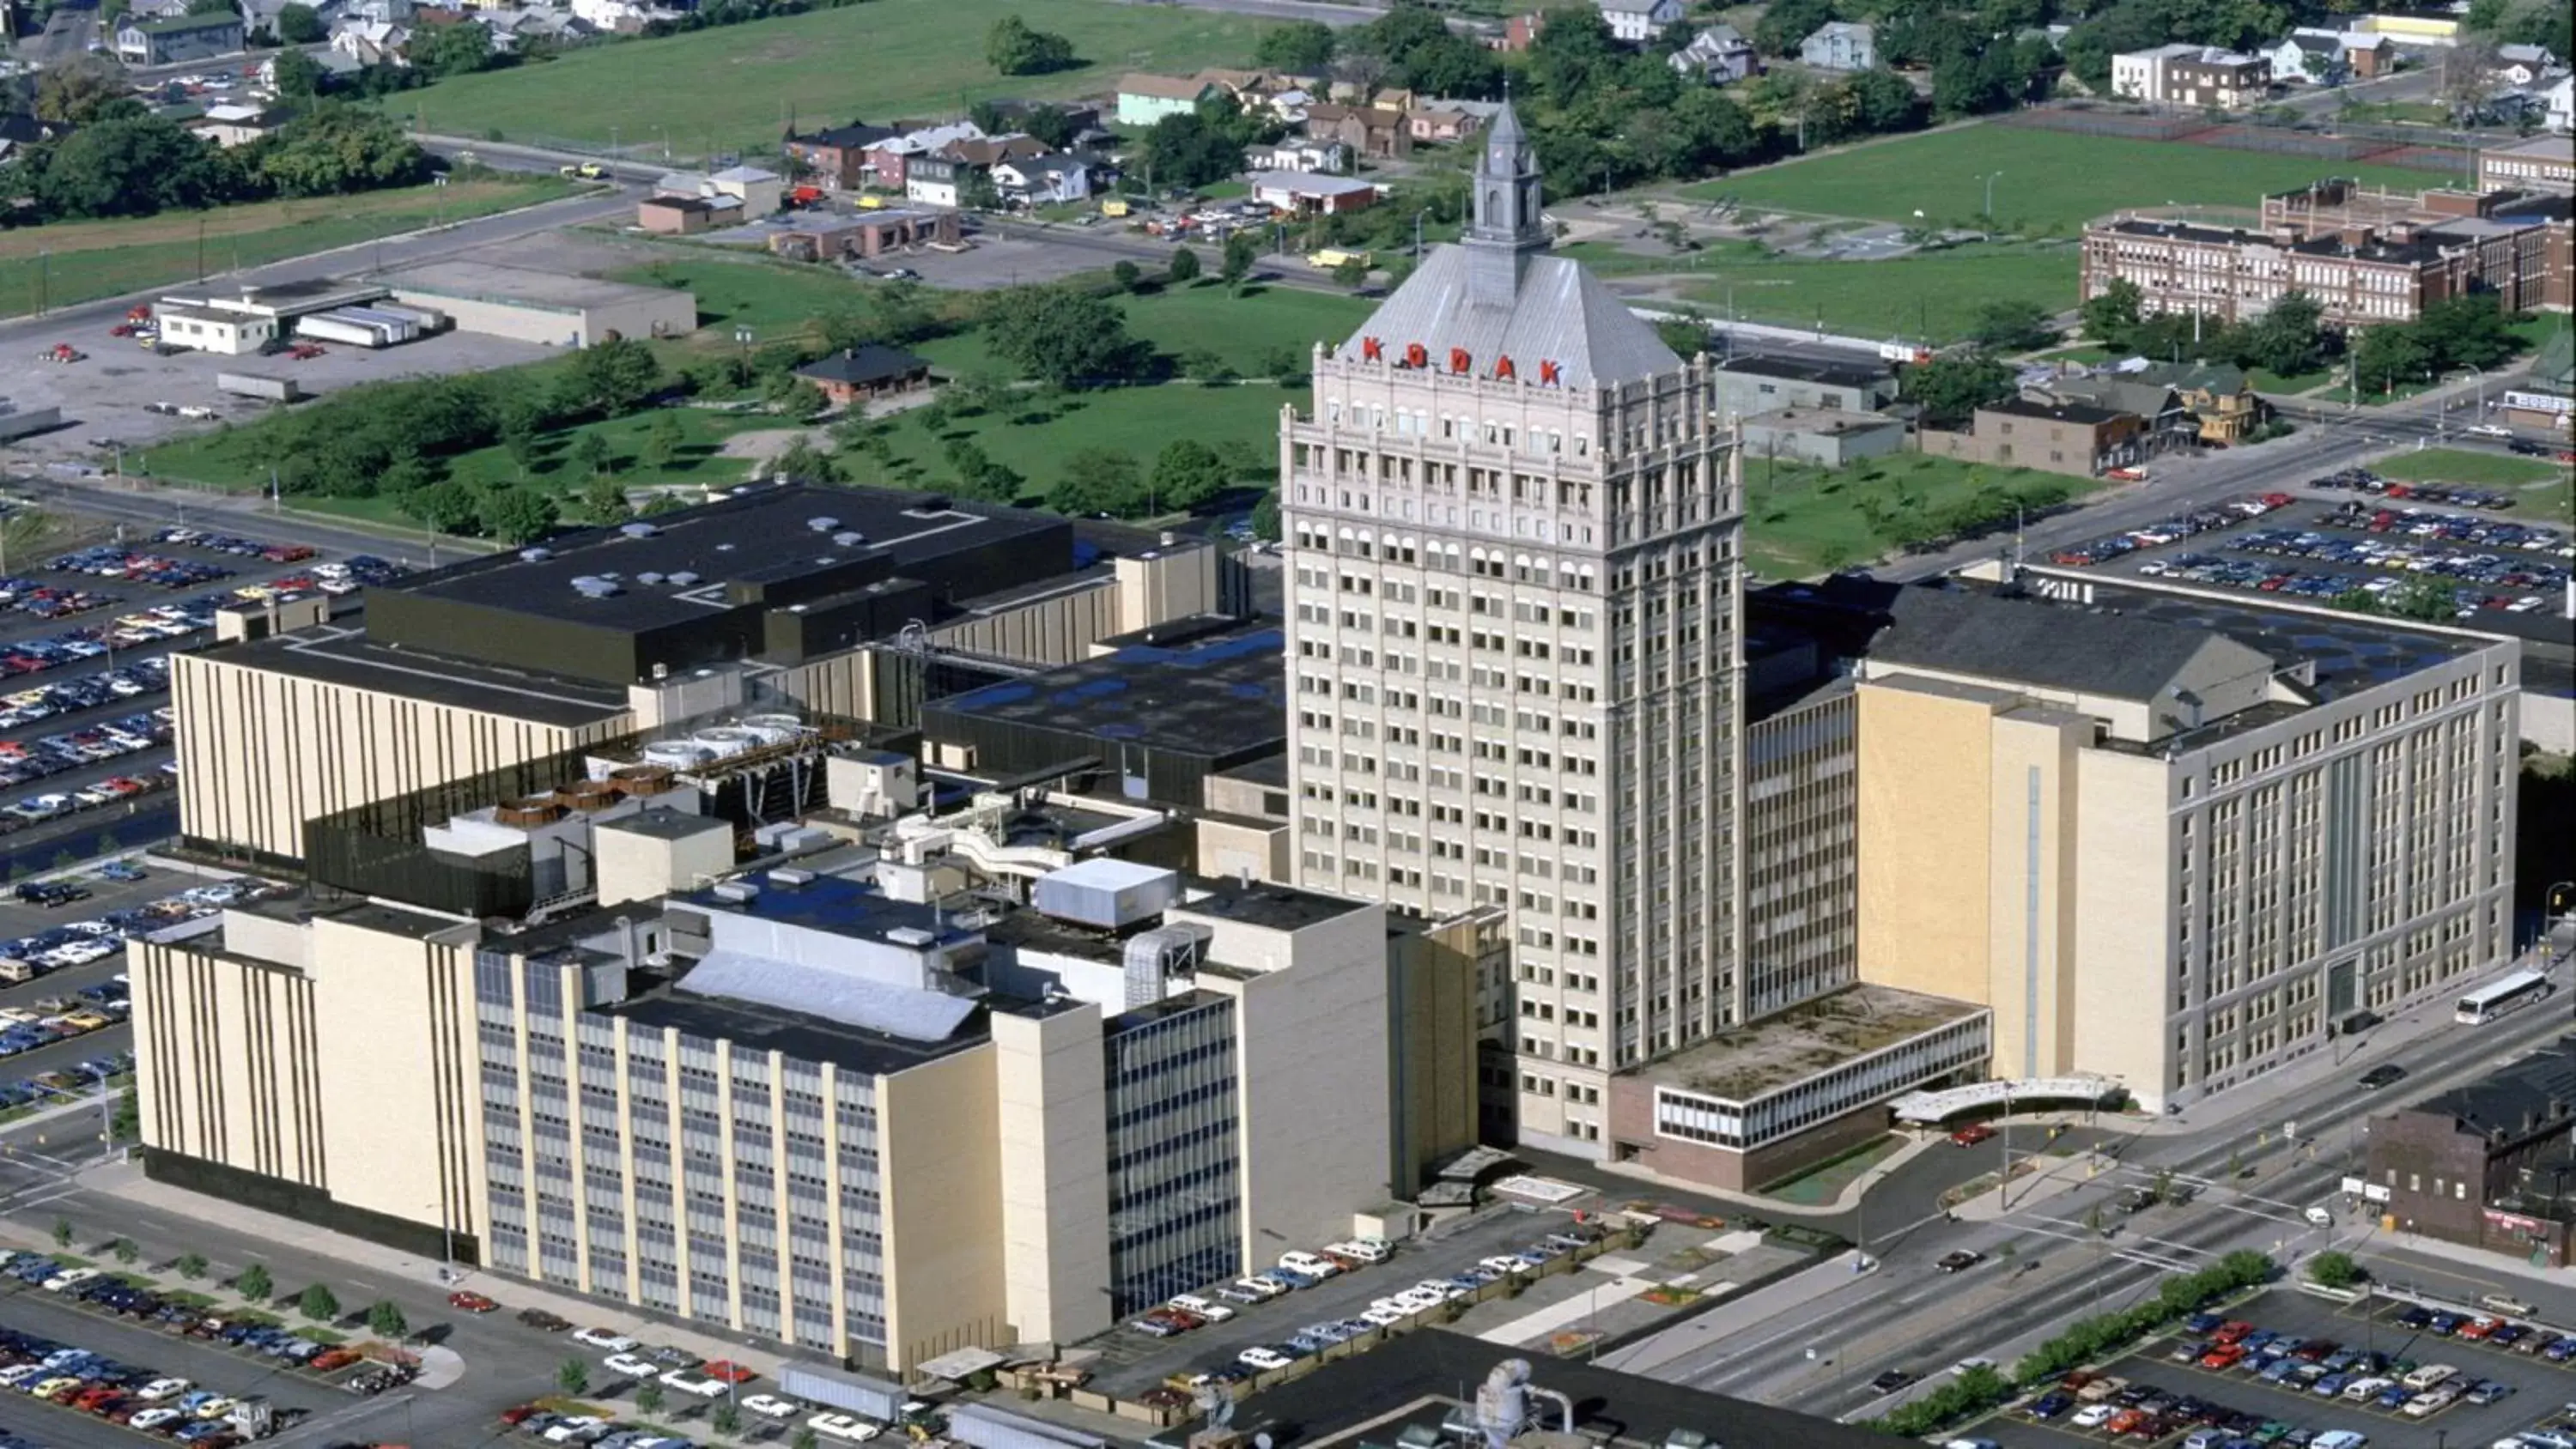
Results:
1561 314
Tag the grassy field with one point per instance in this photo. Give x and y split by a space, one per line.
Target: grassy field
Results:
1803 521
91 259
2046 179
1907 298
737 87
2480 470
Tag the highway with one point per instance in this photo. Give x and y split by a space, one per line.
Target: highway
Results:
1908 1315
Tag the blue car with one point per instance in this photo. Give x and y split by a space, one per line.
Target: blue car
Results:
2330 1385
2393 1397
2049 1406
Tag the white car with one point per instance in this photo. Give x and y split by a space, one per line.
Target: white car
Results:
1262 1359
1440 1292
1197 1307
770 1408
567 1430
152 1419
633 1367
1384 1314
1365 1250
1260 1290
1504 1265
844 1427
607 1338
2093 1416
692 1383
69 1278
159 1389
1310 1264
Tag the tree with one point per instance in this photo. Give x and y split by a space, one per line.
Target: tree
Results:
662 439
253 1283
1886 101
802 401
133 167
1300 47
125 1251
616 375
2287 339
1060 336
1126 274
1788 22
1351 270
2109 318
63 1232
725 1419
519 515
1241 251
1015 49
2011 324
385 1320
2425 599
2466 331
1184 267
573 1376
1098 480
191 1266
1187 473
444 51
1951 389
648 1397
2390 354
299 76
446 507
806 463
804 1440
1191 149
2334 1270
84 91
337 148
978 476
903 313
319 1303
1686 336
1265 518
299 24
590 454
127 1124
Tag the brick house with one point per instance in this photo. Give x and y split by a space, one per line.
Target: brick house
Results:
1377 132
2054 437
855 374
837 158
2484 1165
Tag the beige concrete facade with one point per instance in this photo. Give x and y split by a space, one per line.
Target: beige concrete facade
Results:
946 1286
1053 1135
2185 910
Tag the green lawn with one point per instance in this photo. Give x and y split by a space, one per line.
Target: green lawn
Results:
1907 298
1135 420
2268 381
93 259
2459 465
2047 179
1803 521
738 86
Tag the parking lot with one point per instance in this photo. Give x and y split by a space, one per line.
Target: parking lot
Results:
2172 1390
2502 574
1131 1361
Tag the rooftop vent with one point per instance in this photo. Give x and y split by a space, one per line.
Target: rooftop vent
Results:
848 539
535 555
648 579
592 587
683 579
911 936
790 876
822 525
740 892
637 530
935 503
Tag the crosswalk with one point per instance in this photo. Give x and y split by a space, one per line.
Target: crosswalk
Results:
2164 1254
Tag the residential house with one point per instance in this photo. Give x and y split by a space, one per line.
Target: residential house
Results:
2547 398
891 159
377 12
2191 75
1078 116
2221 399
1290 105
720 207
1762 384
2484 1165
176 40
1330 158
372 42
2561 99
234 125
2369 56
1045 179
760 191
2523 65
2308 57
614 17
2054 437
856 374
2169 421
1374 132
1840 45
836 158
1297 193
1638 21
1718 55
1443 124
1144 99
18 130
1519 32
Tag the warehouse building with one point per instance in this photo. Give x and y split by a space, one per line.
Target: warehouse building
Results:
544 307
824 1106
644 628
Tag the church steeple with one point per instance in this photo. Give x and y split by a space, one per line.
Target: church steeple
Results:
1507 226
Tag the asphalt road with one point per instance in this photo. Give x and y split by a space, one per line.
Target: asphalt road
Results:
1908 1315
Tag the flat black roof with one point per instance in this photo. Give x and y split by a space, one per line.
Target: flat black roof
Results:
2348 653
1437 1370
806 1038
1212 697
665 824
1262 903
701 560
1801 369
332 655
2063 412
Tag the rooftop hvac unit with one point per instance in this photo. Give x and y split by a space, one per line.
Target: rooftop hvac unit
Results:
739 892
683 579
849 538
911 936
822 525
637 530
788 875
648 579
677 755
721 742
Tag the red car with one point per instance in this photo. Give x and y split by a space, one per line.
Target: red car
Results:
470 1302
2225 1356
728 1371
1971 1135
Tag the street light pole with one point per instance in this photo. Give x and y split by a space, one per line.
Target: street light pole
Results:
1989 179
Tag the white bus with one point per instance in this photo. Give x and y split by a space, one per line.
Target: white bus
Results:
2521 988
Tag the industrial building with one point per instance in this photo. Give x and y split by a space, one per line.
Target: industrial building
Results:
644 628
2176 841
2484 1165
544 307
899 1091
